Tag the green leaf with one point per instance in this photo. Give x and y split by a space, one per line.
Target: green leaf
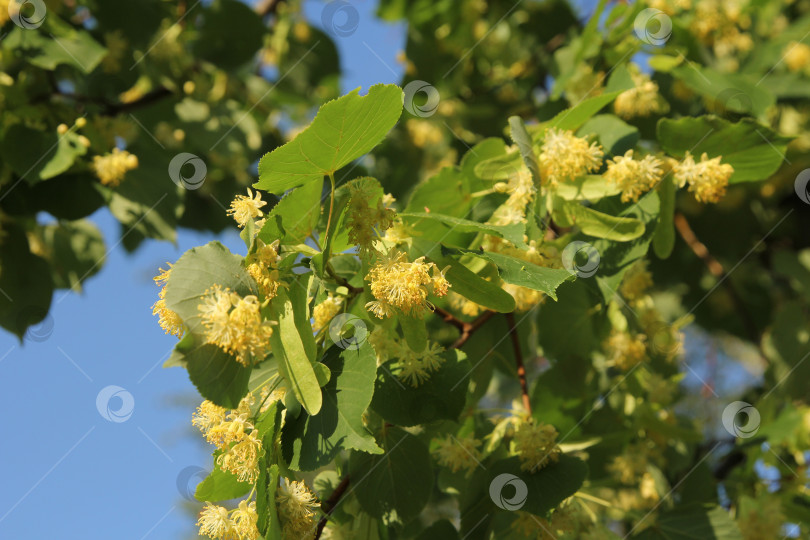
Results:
519 272
396 485
732 91
688 522
574 117
57 43
37 155
513 232
440 530
614 134
441 397
217 375
664 237
517 131
597 224
295 216
574 326
196 272
546 487
221 486
296 364
342 131
591 187
751 148
473 287
268 426
309 442
499 167
223 20
414 331
76 250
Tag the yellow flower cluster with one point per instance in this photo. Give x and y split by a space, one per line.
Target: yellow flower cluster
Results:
565 156
463 305
234 434
262 267
633 177
722 25
240 331
244 208
707 178
415 367
423 133
637 280
295 508
326 311
641 100
396 283
797 56
364 220
239 524
763 518
521 190
536 445
459 453
111 168
626 351
169 320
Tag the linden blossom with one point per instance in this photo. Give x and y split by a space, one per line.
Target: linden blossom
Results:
403 285
111 168
295 507
634 177
707 179
243 209
566 157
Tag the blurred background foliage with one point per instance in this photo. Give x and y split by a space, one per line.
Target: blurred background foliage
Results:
228 82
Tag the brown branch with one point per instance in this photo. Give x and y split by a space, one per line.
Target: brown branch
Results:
450 318
716 269
470 328
330 504
521 368
146 99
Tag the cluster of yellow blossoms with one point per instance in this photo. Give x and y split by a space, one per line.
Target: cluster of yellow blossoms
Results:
262 267
413 367
296 504
365 220
169 320
797 56
238 524
245 208
633 177
707 178
626 351
235 324
234 434
111 168
536 445
565 157
324 312
459 453
397 283
641 100
521 190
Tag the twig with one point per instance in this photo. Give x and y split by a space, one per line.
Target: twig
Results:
450 318
146 99
330 504
521 368
717 270
469 329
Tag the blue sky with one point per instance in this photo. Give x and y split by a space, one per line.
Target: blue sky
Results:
69 472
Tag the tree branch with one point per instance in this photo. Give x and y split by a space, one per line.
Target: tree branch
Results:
717 270
470 328
450 318
330 504
521 368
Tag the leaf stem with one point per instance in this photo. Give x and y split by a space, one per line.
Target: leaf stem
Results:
330 504
326 244
521 368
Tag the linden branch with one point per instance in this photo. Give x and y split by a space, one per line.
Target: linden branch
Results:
330 504
521 368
